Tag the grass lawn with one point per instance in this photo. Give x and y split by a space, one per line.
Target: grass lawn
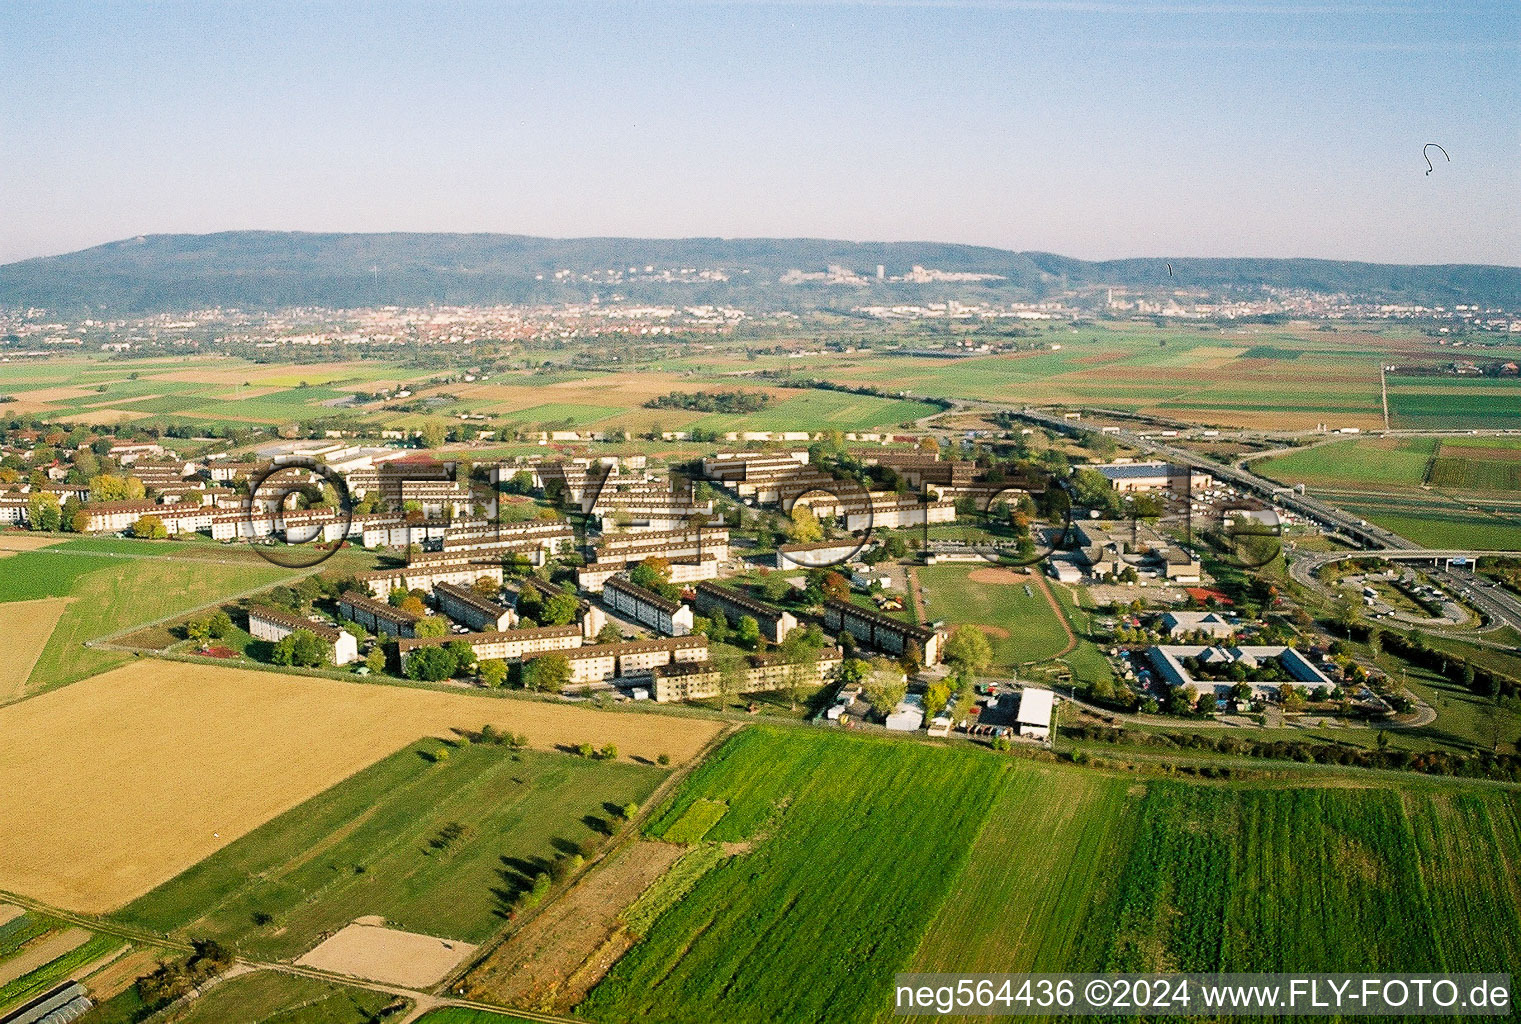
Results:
33 574
375 844
119 593
462 1015
1024 628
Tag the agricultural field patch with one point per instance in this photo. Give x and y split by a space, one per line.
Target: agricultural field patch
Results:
1437 403
36 574
744 943
28 626
439 848
811 409
1389 462
1062 869
378 953
551 962
271 997
157 765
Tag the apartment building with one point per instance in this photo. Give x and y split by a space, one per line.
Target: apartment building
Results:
702 680
376 616
774 623
506 645
597 663
274 625
881 632
646 607
471 610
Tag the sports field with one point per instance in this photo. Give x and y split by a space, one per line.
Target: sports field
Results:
1022 627
154 766
1053 867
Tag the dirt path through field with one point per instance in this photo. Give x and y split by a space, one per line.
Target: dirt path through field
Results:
1061 616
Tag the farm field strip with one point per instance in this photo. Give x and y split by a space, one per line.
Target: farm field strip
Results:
157 765
1054 867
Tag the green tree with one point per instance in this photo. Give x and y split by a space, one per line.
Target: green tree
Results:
774 586
42 512
547 673
968 649
493 672
431 664
886 687
747 632
301 649
805 528
559 610
430 626
609 634
464 656
149 527
375 661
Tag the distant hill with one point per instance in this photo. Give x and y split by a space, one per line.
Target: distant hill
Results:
270 269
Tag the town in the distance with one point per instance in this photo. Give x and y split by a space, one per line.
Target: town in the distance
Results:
617 658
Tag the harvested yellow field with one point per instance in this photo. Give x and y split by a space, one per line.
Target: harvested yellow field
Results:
366 949
120 782
29 624
13 541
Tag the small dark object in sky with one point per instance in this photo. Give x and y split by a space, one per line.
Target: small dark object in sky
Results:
1428 159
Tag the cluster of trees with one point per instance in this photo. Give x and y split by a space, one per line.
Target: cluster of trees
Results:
217 626
534 609
1485 682
150 527
712 401
743 633
301 649
435 663
654 574
172 979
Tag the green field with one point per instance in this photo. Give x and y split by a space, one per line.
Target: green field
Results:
855 843
262 997
374 844
115 593
1389 462
868 857
1447 403
822 410
35 574
1034 630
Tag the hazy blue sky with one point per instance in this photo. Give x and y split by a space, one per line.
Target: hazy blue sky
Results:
1095 129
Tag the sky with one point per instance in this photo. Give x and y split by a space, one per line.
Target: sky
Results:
1092 129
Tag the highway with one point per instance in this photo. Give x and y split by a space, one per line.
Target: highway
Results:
1497 604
